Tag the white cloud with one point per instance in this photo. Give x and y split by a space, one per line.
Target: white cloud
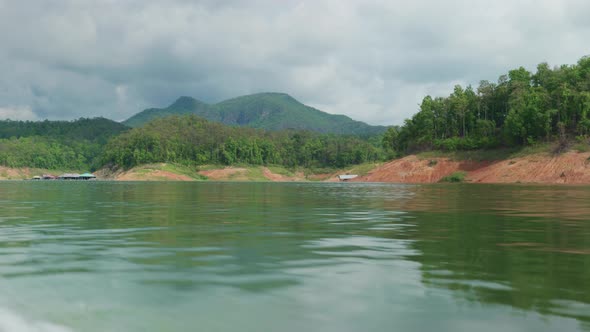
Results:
18 113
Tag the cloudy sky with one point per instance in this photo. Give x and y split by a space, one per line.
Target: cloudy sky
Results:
372 60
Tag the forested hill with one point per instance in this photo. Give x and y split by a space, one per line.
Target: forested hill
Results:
182 106
91 144
191 140
73 145
95 130
270 111
522 108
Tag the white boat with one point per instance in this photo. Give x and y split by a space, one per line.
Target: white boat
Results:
346 177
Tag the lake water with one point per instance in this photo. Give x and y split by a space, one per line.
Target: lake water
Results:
107 256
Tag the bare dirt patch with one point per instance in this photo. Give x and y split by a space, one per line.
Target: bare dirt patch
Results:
226 173
411 169
570 168
7 173
142 174
280 177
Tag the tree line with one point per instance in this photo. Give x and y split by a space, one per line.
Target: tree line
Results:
521 108
192 140
96 130
75 145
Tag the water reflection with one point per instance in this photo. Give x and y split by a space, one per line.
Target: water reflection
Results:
328 257
526 247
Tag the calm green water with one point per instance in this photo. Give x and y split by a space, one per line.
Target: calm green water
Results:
100 256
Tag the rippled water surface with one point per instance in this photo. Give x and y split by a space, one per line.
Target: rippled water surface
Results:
100 256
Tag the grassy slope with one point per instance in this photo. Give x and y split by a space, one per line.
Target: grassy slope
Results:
272 111
175 172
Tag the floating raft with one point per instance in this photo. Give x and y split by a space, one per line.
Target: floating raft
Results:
66 176
87 176
346 177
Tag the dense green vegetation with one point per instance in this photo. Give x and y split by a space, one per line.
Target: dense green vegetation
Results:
89 144
56 144
521 109
182 106
455 177
191 140
98 130
271 111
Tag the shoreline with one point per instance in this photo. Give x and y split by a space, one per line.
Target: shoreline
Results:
570 168
540 168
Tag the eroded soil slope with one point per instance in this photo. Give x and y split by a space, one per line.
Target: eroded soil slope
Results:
412 169
570 167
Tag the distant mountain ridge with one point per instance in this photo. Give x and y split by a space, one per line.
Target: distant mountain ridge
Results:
270 111
94 129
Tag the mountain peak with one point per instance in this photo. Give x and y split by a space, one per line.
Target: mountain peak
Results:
273 94
185 102
264 110
268 96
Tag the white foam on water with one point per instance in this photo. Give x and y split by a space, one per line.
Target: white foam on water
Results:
11 322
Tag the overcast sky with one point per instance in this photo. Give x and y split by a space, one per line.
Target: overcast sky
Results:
372 60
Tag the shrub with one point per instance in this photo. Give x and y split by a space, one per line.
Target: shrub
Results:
455 177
